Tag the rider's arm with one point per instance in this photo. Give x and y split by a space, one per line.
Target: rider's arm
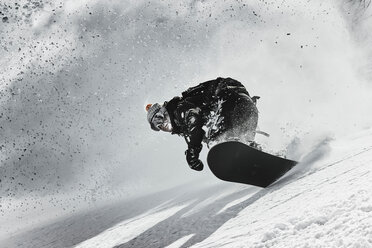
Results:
193 132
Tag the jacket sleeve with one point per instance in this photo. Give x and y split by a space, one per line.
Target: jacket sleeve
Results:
193 122
194 132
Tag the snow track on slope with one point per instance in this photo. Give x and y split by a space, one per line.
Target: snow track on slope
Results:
129 229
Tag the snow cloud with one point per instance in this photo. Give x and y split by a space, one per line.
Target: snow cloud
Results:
76 75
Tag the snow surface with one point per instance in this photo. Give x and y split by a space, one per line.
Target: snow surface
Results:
126 230
330 206
326 203
180 242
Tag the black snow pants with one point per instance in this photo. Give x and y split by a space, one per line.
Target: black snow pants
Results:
240 117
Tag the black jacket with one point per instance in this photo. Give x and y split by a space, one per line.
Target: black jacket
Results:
190 112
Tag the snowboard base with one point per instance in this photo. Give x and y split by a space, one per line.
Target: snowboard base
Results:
236 162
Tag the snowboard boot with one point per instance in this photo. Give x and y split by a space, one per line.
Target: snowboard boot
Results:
255 145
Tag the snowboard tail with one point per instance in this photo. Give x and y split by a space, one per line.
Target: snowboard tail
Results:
236 162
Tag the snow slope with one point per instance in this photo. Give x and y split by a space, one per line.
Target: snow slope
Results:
323 203
330 206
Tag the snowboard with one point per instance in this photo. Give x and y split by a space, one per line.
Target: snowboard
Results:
236 162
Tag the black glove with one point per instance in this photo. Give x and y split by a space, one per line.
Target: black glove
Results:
192 158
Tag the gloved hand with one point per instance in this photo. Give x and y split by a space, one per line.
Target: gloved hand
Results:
192 158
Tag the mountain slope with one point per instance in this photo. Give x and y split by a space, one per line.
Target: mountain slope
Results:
329 207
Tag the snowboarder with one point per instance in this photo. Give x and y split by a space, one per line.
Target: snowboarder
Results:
223 107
